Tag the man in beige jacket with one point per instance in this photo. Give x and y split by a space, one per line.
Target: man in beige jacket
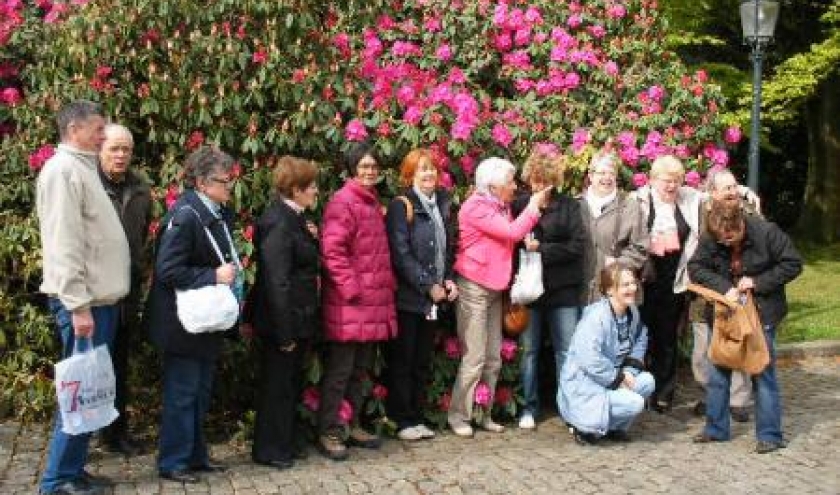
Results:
85 269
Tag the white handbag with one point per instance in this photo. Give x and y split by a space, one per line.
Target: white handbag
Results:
528 285
213 308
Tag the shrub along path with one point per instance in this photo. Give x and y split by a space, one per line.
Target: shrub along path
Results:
661 459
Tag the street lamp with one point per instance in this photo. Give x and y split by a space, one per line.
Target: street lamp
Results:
758 22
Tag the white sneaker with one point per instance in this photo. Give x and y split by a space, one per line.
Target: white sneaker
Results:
425 431
461 429
410 434
490 425
526 422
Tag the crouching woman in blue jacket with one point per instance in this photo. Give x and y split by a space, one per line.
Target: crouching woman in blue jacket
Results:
603 386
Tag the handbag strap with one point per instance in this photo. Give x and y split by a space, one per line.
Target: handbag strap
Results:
213 239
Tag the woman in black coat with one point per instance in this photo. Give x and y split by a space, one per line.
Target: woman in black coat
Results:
422 245
742 254
559 237
186 259
284 308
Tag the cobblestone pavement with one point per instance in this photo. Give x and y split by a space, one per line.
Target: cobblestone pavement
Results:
661 459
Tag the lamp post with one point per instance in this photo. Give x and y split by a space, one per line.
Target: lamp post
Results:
758 22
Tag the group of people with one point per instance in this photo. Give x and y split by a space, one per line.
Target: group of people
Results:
364 277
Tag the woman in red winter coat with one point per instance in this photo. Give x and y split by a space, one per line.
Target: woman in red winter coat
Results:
358 298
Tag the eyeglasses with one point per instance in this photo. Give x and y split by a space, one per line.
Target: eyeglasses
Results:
227 181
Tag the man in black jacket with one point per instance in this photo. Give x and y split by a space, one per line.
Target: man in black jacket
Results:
740 254
131 196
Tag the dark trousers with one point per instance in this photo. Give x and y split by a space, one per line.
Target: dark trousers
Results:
663 313
275 431
347 365
128 326
187 383
407 360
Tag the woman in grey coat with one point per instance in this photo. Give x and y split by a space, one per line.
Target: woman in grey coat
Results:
603 385
614 225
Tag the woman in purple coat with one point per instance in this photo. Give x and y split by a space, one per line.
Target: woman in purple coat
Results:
358 298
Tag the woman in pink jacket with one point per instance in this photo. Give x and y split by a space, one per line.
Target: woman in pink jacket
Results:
358 298
487 237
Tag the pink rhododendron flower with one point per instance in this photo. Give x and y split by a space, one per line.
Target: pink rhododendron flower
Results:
516 19
482 394
720 157
379 391
701 76
260 57
522 37
626 138
342 42
10 96
501 134
548 149
406 95
452 347
508 350
597 31
616 11
432 24
533 15
693 178
405 49
540 38
444 53
524 85
580 139
456 76
732 135
312 398
195 140
413 115
55 13
467 164
502 42
385 23
384 129
8 70
446 180
640 179
500 15
355 131
40 157
572 80
611 68
345 412
629 155
559 54
574 21
172 193
656 92
681 151
544 88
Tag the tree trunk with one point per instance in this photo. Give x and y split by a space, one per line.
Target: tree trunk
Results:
820 218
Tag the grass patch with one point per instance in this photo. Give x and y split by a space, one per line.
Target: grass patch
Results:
814 297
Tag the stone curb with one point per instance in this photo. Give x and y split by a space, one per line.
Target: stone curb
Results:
804 350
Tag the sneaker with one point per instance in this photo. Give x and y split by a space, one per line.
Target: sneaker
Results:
526 422
425 431
332 447
410 434
740 414
765 447
490 425
581 438
359 437
704 438
461 429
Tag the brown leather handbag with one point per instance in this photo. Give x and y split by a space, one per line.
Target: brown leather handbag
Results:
515 318
738 340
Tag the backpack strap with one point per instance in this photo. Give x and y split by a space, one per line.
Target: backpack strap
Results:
409 208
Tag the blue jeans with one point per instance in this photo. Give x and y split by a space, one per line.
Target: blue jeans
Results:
626 404
768 404
68 453
561 323
187 383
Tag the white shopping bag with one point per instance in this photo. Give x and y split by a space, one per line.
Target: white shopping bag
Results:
528 284
213 308
86 388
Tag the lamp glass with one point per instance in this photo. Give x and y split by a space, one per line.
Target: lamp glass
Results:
764 25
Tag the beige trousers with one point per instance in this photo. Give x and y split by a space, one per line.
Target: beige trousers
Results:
479 312
740 389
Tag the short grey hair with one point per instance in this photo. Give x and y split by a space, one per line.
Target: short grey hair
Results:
492 172
113 128
203 163
76 111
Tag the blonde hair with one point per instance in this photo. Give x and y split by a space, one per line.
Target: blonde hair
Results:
667 165
603 159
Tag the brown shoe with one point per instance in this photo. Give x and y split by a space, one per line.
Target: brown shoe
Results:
361 438
332 447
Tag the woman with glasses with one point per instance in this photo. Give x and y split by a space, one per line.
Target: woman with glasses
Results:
194 250
358 299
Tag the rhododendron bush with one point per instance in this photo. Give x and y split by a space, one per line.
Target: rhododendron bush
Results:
468 79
